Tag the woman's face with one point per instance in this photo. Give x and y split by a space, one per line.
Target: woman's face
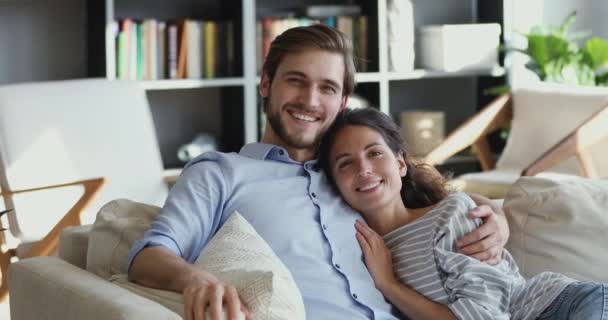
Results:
366 171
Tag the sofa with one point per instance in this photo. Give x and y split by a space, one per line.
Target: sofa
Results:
556 225
88 278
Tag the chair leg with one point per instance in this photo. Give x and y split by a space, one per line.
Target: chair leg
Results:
5 260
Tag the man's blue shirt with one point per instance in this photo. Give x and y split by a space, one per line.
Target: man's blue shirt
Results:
292 206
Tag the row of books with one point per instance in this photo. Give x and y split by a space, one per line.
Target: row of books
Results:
355 27
186 49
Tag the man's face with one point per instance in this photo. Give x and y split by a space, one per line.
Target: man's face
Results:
304 98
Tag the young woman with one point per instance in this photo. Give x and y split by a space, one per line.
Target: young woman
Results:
412 225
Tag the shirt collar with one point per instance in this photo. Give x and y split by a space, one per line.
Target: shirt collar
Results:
256 150
264 151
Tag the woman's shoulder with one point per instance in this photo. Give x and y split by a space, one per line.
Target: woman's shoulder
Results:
454 202
451 212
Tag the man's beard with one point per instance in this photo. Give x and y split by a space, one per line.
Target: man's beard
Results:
279 128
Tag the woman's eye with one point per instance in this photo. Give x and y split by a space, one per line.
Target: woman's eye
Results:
376 153
294 81
343 165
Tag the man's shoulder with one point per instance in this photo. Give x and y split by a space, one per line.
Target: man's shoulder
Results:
220 158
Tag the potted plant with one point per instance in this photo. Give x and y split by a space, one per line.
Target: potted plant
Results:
555 55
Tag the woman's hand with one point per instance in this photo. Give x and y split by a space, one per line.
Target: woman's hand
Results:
377 256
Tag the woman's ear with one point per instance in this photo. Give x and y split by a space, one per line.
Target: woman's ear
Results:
402 165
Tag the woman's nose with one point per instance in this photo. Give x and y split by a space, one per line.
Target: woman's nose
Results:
364 169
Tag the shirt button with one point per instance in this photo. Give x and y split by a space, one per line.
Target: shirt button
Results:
314 195
324 227
337 266
355 295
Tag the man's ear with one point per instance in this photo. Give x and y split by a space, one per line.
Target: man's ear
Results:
402 165
264 85
344 101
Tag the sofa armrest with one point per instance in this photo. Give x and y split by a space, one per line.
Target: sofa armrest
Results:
73 245
50 288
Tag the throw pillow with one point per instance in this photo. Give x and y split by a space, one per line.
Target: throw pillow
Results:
559 226
239 256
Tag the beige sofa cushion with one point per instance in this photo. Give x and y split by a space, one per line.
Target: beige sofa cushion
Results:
237 255
559 226
117 226
73 245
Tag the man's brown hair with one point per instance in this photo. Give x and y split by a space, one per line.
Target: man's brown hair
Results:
316 36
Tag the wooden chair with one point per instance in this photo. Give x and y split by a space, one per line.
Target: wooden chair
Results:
555 129
60 142
48 244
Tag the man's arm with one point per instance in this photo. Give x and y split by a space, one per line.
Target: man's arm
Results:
190 216
486 242
158 267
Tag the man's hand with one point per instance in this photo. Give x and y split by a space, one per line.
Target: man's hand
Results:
158 267
487 242
207 294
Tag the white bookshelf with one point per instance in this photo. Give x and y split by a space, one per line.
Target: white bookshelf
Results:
384 89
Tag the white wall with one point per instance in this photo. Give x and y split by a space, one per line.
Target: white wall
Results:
591 14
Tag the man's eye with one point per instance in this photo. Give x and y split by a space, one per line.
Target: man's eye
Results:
329 89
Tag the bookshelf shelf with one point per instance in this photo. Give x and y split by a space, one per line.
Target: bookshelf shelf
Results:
191 83
363 77
429 74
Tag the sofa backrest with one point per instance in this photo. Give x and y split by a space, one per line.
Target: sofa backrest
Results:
543 115
65 131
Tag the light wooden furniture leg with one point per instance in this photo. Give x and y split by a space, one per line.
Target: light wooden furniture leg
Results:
576 143
50 242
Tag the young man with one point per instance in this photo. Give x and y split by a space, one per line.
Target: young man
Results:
307 78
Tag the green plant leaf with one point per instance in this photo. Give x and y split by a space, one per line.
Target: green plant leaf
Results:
543 49
565 26
570 70
595 53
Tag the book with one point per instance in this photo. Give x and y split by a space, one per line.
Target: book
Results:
121 55
182 49
194 59
161 66
172 50
363 43
210 49
139 52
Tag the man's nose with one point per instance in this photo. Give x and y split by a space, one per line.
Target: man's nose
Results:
311 96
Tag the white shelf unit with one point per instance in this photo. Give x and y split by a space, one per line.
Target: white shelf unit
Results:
391 92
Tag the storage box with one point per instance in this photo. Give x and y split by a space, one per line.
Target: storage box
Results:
454 47
422 130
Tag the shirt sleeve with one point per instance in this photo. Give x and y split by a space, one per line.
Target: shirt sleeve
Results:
192 212
476 290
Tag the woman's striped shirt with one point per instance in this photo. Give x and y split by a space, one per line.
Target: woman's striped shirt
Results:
424 259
